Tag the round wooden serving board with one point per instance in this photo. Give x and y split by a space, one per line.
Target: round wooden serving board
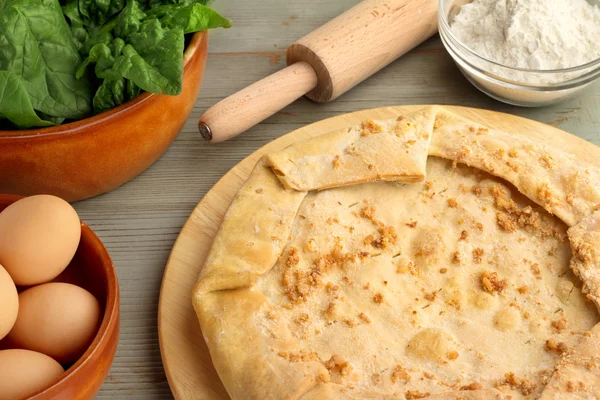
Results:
184 353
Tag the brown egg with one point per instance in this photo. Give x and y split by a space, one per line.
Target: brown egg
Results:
38 238
23 372
9 303
57 319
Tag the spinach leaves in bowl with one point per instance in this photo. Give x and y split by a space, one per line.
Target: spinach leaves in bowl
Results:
70 60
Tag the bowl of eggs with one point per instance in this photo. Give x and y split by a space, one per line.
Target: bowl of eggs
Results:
59 297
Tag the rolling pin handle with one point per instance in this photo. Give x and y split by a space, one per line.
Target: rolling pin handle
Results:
246 108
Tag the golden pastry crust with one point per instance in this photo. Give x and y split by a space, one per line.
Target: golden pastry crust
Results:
559 182
577 374
248 242
585 242
258 342
240 348
391 150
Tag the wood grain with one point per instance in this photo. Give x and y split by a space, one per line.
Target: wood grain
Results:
362 41
246 108
185 356
140 221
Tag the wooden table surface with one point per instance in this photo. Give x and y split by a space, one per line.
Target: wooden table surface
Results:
139 222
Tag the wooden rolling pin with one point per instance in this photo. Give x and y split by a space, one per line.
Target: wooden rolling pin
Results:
327 62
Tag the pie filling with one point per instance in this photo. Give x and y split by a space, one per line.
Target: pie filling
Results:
456 283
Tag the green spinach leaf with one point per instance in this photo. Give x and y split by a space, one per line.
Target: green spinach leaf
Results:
151 58
36 44
110 94
14 102
129 20
155 3
78 30
96 12
190 17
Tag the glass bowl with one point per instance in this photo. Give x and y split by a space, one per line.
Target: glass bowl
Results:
516 86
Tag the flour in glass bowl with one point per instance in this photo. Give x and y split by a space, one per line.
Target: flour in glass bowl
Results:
531 34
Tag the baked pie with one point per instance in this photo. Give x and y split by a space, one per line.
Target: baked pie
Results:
422 257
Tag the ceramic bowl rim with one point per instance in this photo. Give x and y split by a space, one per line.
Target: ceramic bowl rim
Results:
83 124
111 311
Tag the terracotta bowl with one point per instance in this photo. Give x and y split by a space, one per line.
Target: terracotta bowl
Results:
97 154
93 270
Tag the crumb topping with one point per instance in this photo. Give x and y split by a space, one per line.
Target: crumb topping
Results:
559 325
376 378
522 289
431 295
415 394
472 386
478 255
491 283
336 161
369 128
300 356
400 373
337 364
575 386
456 257
522 385
552 346
364 317
510 217
547 161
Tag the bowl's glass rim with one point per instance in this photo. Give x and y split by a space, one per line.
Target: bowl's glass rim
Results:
73 127
443 17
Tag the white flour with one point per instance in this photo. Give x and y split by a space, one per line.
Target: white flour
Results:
531 34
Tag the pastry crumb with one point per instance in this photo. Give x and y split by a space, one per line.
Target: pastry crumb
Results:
415 394
364 317
491 283
472 386
369 128
367 212
552 346
378 298
431 296
400 373
452 203
336 161
411 224
456 257
575 386
300 356
376 378
302 318
559 325
478 255
523 289
523 385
